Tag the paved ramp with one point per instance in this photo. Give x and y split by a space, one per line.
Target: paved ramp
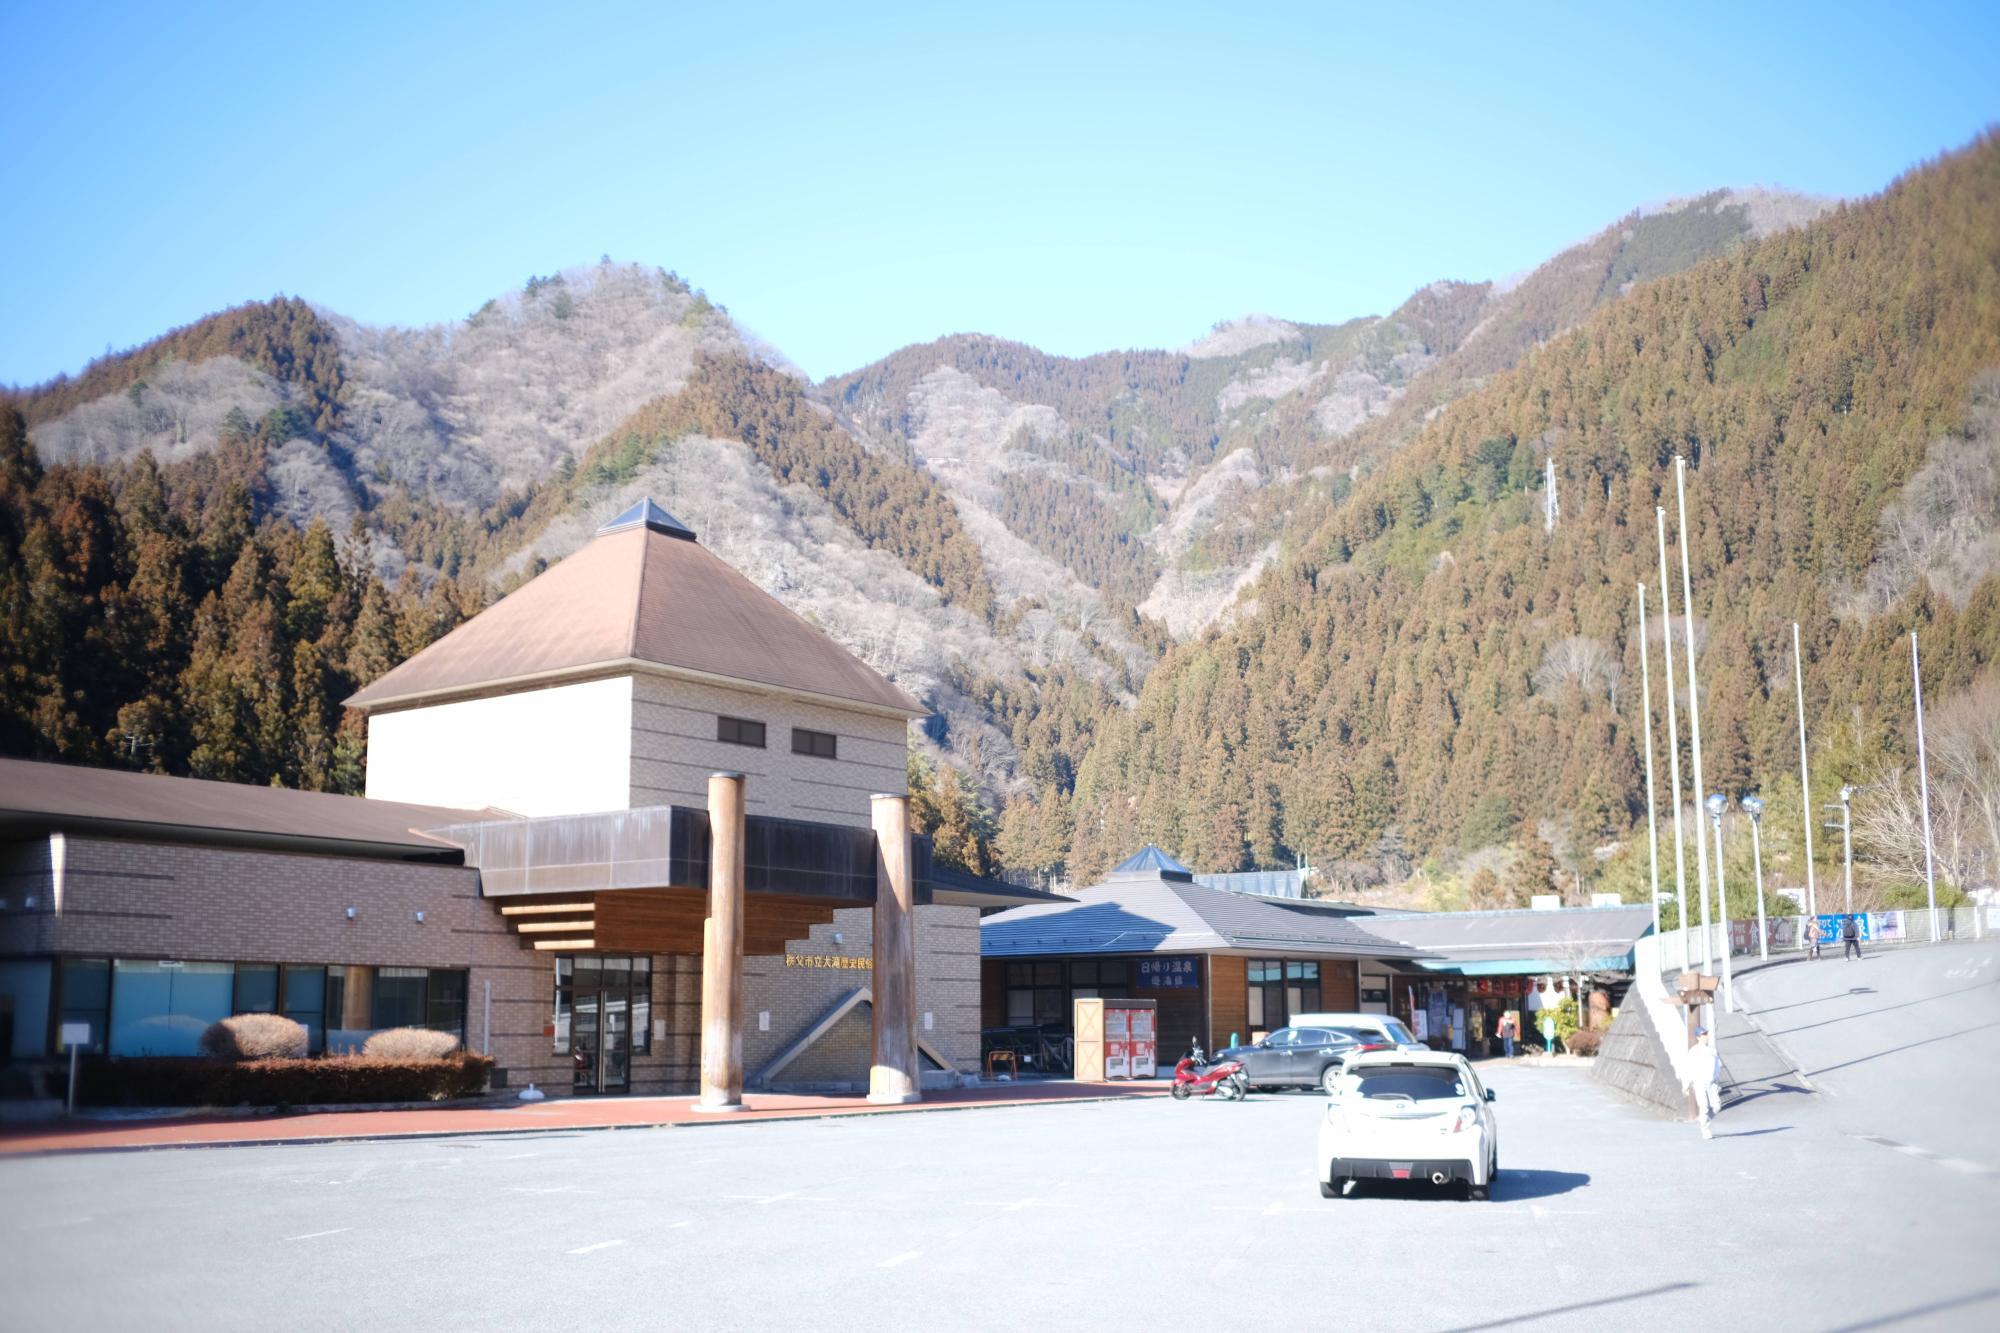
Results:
1903 1045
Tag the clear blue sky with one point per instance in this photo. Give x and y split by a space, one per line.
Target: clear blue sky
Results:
850 183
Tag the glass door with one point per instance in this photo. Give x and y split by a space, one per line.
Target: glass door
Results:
583 1043
600 1025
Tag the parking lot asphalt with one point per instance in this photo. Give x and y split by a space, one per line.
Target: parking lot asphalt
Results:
1161 1213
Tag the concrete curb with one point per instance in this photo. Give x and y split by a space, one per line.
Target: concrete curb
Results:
766 1117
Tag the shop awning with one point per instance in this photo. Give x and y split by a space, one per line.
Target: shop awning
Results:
1508 967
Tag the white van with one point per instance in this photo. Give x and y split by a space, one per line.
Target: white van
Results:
1390 1028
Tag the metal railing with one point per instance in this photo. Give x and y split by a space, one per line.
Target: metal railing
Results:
1785 935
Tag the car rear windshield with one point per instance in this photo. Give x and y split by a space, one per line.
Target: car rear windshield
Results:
1421 1085
1366 1036
1402 1034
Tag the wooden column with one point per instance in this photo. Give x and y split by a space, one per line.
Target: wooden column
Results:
894 1075
722 950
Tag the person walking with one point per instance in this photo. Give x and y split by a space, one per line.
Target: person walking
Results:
1809 937
1850 938
1704 1070
1507 1029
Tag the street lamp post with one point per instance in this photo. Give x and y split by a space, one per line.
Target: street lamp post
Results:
1717 803
1753 805
1847 843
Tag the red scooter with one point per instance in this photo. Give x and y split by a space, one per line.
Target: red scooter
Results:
1224 1078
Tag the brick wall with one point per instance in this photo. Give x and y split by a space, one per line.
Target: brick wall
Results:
161 900
674 749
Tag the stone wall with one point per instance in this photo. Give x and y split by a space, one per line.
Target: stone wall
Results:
1634 1062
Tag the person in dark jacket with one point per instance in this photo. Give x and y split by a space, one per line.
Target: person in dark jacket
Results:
1850 937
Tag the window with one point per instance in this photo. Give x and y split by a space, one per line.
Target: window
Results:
256 988
740 731
1280 988
84 986
444 1008
818 744
24 1009
162 1008
398 1001
305 1003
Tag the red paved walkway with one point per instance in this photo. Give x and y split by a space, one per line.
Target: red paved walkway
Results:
517 1118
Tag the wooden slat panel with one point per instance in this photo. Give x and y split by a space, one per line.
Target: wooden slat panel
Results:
545 909
552 946
1339 987
582 925
1229 1002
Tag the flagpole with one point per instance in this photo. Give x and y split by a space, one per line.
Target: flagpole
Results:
1924 787
1652 810
1673 736
1694 744
1805 775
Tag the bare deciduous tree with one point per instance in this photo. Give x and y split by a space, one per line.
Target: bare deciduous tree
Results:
1580 661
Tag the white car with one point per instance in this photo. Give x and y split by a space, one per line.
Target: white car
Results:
1409 1115
1388 1026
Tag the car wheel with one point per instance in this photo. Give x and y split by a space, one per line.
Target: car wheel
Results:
1332 1189
1329 1079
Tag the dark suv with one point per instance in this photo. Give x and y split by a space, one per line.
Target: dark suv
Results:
1296 1057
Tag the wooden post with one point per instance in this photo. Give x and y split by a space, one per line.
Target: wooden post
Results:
894 1076
722 950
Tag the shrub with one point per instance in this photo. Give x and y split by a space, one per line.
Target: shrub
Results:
1584 1041
407 1044
168 1081
255 1037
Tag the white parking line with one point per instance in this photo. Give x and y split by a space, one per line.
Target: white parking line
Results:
589 1249
315 1235
902 1258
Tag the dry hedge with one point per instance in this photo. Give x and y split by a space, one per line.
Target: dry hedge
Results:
330 1080
408 1044
254 1037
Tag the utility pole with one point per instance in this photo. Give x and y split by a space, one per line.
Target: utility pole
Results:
1694 712
1652 812
1673 735
1924 786
1805 777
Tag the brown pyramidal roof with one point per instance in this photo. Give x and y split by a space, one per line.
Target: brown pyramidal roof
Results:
641 593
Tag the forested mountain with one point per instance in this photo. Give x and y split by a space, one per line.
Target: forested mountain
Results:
210 540
1431 670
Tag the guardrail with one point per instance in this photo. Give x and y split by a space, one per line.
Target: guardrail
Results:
1786 934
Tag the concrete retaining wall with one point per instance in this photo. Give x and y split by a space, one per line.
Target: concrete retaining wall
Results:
1634 1058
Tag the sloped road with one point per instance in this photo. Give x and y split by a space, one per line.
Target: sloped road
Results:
1903 1046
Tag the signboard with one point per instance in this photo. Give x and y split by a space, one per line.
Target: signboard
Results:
75 1034
1169 974
1830 924
835 961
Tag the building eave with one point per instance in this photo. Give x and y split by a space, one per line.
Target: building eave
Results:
612 667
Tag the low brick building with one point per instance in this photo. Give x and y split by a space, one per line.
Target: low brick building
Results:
572 797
